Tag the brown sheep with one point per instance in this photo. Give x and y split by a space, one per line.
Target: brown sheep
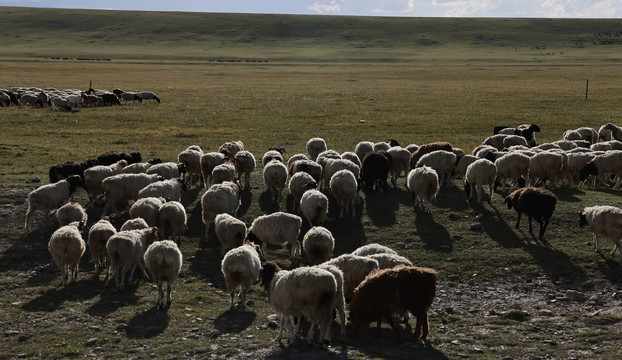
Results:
397 290
536 202
427 148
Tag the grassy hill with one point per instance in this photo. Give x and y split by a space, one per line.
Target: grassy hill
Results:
174 36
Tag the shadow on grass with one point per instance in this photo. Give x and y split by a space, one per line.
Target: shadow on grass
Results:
147 324
433 235
266 203
381 207
112 300
53 299
246 198
234 321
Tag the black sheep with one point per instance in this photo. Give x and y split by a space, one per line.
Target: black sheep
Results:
68 168
537 203
112 157
375 170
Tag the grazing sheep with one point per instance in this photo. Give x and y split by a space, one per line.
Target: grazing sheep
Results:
355 268
168 170
423 185
514 140
148 209
230 231
99 234
299 183
315 146
535 202
148 95
443 162
462 163
70 212
172 220
546 165
134 224
170 190
141 167
111 157
324 156
387 261
30 100
208 162
94 176
427 148
526 131
609 132
309 166
565 145
68 168
344 187
604 221
309 292
276 228
381 146
363 148
191 157
513 166
371 249
231 148
318 243
109 99
609 163
349 155
272 154
331 166
341 301
51 196
375 170
127 97
481 172
571 135
588 134
224 172
400 159
495 141
93 100
219 199
123 187
244 165
275 177
314 206
576 162
607 145
163 260
391 291
125 251
240 266
67 247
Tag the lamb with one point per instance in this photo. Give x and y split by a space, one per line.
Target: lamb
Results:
514 166
123 187
172 220
314 206
163 261
308 291
299 183
134 224
126 250
423 185
148 95
546 165
443 162
427 148
51 196
535 202
219 199
604 221
344 187
231 148
98 236
371 249
318 243
375 170
481 172
140 167
224 172
240 266
191 157
272 154
607 163
400 159
363 148
244 165
94 176
70 212
208 162
67 247
355 268
148 209
315 146
391 291
275 177
230 231
168 170
111 157
276 228
387 261
171 189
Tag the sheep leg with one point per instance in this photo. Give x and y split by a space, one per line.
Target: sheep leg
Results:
159 304
617 245
543 226
311 333
243 290
595 243
391 322
169 298
530 228
491 193
28 215
518 221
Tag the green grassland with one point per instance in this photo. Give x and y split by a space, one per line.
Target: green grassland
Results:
278 80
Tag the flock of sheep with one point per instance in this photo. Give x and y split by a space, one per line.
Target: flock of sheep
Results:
377 283
69 99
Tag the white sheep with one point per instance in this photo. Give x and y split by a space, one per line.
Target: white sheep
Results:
546 165
50 197
609 132
191 157
70 212
571 135
442 161
513 166
94 176
244 164
607 145
125 251
400 161
275 177
148 95
350 155
340 304
208 162
139 168
171 190
463 162
123 187
344 187
588 133
314 206
363 148
514 140
609 163
423 185
168 170
172 220
604 221
224 172
240 266
134 224
481 172
147 208
325 155
230 231
318 244
295 158
374 248
231 148
495 141
98 236
576 162
387 261
355 268
163 260
276 228
299 183
315 146
309 166
219 199
67 247
271 155
331 166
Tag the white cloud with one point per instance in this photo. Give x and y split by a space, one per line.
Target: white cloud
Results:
395 7
332 7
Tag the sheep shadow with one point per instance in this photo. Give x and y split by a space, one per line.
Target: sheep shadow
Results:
348 234
206 263
246 198
381 207
266 203
433 235
111 300
234 321
29 251
194 222
147 324
53 299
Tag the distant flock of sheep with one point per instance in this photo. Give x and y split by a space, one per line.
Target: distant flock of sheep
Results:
69 99
377 283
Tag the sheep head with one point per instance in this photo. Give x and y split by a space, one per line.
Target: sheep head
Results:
582 219
266 274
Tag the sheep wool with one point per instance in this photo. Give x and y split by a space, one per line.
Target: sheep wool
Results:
605 221
70 212
314 206
276 228
299 183
163 260
318 244
134 224
230 231
172 220
51 196
536 203
344 186
240 266
67 247
126 250
208 162
479 173
147 208
315 146
98 236
245 164
218 199
275 177
423 185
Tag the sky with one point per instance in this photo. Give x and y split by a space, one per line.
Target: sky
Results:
405 8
